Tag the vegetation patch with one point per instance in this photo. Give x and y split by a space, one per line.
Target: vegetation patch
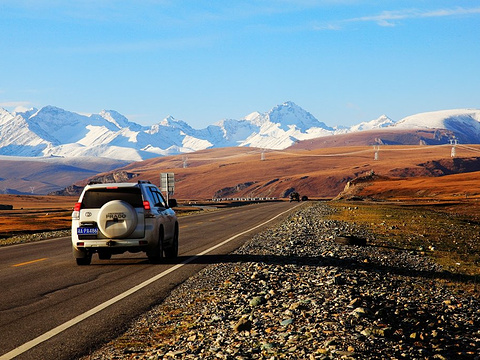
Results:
448 232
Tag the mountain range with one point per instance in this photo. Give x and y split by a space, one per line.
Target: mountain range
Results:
54 132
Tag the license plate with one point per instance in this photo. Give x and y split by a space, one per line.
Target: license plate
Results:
87 231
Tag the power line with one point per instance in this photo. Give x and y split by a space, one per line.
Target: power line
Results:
376 149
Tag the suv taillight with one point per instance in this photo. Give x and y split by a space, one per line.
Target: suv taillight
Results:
146 205
148 210
76 211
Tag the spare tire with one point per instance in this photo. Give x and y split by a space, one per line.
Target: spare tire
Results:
117 219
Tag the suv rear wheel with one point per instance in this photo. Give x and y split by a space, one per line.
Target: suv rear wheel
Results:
157 254
172 251
85 260
104 255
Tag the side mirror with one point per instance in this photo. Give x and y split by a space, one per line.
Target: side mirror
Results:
172 203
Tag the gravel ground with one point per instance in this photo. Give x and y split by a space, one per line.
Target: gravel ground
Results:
293 292
26 238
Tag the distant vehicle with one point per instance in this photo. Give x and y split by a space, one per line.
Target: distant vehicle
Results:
294 196
114 218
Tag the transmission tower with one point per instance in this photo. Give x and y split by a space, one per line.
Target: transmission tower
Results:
453 152
377 150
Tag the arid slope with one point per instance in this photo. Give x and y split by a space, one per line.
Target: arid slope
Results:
316 173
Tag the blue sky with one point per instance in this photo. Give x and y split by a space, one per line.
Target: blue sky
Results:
345 61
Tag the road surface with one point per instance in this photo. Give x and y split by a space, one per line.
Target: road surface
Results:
50 308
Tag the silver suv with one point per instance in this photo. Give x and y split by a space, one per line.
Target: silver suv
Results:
114 218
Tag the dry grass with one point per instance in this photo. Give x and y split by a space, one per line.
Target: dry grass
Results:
458 188
35 214
449 232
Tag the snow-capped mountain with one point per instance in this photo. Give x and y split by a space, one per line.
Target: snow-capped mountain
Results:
382 122
465 123
52 131
283 126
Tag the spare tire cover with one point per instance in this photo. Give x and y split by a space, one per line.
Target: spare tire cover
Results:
117 219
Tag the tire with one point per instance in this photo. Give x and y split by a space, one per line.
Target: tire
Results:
156 255
82 256
117 219
172 251
85 260
104 255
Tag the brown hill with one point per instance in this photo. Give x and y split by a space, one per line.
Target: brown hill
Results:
379 137
452 187
44 175
316 173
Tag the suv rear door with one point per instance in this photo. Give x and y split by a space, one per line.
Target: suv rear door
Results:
163 209
95 198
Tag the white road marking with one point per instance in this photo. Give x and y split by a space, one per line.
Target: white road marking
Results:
59 329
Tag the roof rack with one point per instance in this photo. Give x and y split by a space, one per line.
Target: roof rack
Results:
94 182
144 182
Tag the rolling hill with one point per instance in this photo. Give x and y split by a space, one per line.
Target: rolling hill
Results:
316 173
43 175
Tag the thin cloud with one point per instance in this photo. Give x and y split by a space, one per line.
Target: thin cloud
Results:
390 18
13 104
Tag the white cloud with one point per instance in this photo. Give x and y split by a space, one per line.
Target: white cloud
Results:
390 18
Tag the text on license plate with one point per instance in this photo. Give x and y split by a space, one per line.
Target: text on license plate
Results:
87 231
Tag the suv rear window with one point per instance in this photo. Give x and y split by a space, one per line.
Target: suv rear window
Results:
96 198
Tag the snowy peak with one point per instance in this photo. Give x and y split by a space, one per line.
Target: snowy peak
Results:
289 114
5 115
171 122
52 131
382 122
118 120
255 118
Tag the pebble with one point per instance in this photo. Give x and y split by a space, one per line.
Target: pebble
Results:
296 293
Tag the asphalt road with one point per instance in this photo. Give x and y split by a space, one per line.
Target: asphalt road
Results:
50 308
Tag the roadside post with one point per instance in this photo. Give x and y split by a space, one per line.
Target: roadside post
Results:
167 184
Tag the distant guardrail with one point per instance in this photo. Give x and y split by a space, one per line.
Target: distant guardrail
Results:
246 199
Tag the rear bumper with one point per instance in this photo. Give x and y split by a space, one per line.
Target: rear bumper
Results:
110 243
95 243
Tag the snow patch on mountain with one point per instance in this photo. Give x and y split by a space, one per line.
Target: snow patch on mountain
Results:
440 119
465 123
118 120
382 122
51 131
284 125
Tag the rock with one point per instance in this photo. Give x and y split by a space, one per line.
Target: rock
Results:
286 322
244 324
257 300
